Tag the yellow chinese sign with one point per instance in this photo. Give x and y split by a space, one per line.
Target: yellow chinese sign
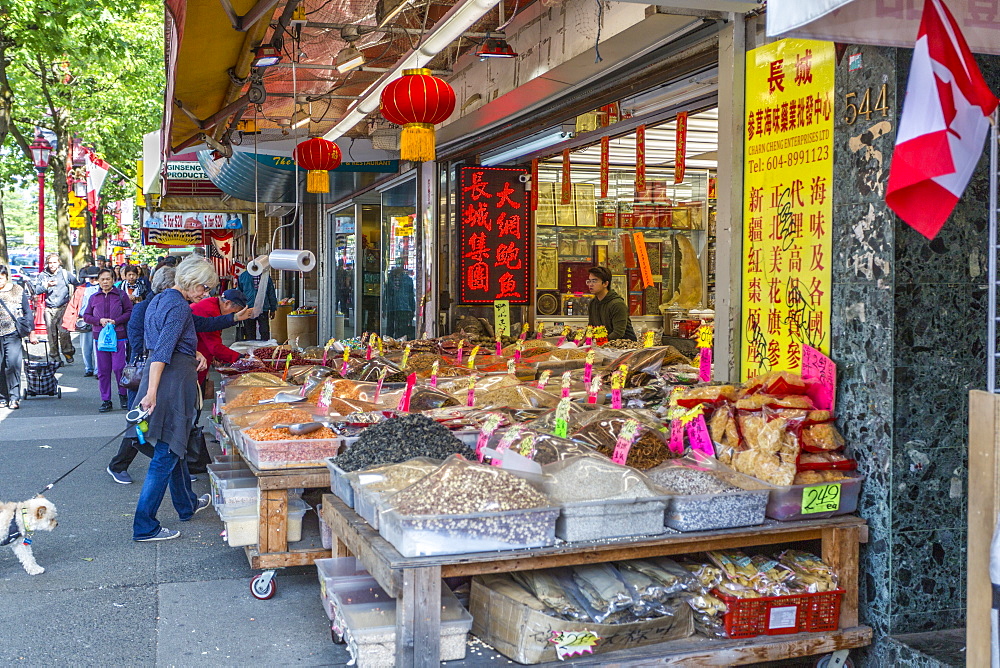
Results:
77 211
787 204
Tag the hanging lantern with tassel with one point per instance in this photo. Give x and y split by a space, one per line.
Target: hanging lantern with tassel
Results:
317 156
417 101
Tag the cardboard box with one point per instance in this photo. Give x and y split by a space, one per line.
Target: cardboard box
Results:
511 620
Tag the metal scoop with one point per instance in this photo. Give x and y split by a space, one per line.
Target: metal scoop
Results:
300 428
283 398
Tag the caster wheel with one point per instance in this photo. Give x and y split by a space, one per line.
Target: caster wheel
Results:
263 587
59 392
826 661
336 636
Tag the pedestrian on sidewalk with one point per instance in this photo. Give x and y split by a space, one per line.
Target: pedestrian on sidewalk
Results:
73 317
164 279
110 306
132 285
57 285
16 321
260 327
170 394
210 343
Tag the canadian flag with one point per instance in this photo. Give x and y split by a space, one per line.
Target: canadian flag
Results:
97 171
944 122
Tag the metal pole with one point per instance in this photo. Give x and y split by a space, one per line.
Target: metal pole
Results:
41 220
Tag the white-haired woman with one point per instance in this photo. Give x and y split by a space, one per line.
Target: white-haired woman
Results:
170 392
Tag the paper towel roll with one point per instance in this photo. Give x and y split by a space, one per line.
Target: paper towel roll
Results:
258 265
286 259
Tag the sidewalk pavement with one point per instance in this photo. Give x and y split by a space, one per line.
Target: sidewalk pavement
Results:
105 600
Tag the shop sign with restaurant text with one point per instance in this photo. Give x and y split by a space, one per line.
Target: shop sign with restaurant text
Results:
787 204
493 235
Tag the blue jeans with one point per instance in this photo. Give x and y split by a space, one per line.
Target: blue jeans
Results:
87 343
164 469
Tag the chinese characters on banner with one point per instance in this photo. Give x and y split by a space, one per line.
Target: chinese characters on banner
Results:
605 165
680 147
640 161
494 236
567 180
787 204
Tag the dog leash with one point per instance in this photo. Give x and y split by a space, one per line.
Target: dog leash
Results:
64 475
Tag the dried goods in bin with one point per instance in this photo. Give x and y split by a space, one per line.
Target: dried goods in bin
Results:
649 448
399 439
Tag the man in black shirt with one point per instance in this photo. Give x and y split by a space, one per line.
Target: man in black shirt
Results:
608 308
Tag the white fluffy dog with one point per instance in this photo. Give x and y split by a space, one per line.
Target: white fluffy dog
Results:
18 521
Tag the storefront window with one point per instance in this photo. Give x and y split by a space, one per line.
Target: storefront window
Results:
371 268
345 259
676 222
399 261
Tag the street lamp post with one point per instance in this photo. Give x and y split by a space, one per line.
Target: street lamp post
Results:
41 149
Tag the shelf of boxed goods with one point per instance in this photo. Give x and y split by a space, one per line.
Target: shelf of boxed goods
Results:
416 582
272 550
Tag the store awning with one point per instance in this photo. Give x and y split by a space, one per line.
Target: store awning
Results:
879 23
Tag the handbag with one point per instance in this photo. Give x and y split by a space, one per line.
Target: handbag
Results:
83 326
107 340
197 457
22 325
132 374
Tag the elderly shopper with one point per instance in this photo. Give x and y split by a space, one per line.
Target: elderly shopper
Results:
163 280
14 310
110 306
57 285
73 318
170 395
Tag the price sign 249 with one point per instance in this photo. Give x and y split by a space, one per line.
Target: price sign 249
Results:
821 499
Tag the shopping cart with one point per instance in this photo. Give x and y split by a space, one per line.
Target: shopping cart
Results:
40 373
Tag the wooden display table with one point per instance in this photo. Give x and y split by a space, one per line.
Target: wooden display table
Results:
416 584
272 535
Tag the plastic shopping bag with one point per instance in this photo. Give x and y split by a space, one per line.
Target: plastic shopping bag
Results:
107 340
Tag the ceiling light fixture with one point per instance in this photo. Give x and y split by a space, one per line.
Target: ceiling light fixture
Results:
349 59
496 47
266 55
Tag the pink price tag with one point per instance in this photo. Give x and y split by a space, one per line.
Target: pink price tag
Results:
326 351
624 443
589 341
458 357
499 348
517 357
378 390
505 442
539 336
433 382
404 401
565 392
616 398
821 370
676 437
705 365
470 397
368 352
489 427
343 369
588 373
562 340
699 437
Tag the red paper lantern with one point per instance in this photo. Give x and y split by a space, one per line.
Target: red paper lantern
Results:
317 156
417 101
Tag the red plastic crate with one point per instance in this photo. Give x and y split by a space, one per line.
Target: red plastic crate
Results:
781 615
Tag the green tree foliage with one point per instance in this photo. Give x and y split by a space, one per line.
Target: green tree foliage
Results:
81 68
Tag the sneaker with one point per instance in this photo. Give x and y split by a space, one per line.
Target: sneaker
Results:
88 374
123 401
120 477
204 501
194 478
106 407
163 534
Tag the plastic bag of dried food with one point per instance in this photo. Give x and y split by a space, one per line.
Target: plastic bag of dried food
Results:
588 479
820 436
483 384
708 614
518 396
649 447
269 418
252 396
547 421
811 572
777 383
828 460
650 597
645 364
604 592
712 395
421 399
399 439
340 408
371 370
550 449
258 378
460 487
674 578
391 478
260 408
707 576
551 588
313 376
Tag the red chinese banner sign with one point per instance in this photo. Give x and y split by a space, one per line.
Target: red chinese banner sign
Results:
640 161
680 147
493 235
567 180
605 165
534 185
